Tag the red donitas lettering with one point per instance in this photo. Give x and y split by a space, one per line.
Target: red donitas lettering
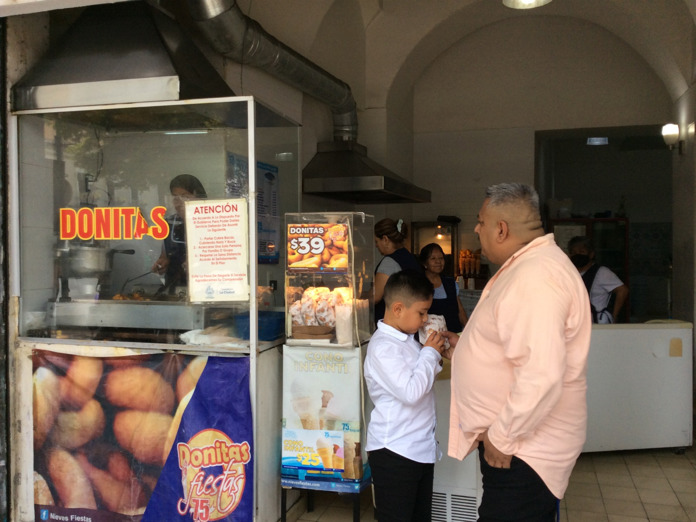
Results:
160 230
102 222
85 223
68 223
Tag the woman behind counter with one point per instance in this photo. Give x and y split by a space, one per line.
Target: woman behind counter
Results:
446 297
389 240
172 260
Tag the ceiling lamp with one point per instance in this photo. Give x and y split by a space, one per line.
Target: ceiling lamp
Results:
524 4
670 133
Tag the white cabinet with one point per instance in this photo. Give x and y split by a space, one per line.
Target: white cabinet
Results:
457 485
640 387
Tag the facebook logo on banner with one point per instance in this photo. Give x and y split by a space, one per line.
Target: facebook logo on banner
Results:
44 514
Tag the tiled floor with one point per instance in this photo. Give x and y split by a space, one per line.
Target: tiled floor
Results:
626 486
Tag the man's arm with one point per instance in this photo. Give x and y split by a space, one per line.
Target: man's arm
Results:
620 296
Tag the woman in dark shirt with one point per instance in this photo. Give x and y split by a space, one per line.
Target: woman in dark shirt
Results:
172 260
446 297
389 240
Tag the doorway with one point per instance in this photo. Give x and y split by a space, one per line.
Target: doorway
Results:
612 172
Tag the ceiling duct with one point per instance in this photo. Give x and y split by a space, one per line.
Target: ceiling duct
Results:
340 169
119 53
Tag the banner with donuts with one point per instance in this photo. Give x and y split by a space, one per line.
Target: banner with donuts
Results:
142 438
317 247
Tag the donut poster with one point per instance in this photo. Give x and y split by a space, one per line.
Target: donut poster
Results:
141 438
320 247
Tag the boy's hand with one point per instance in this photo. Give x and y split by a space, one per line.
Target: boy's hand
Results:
435 340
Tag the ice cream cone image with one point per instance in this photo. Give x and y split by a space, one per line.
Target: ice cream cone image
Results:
304 406
349 458
334 414
358 462
325 451
326 396
338 461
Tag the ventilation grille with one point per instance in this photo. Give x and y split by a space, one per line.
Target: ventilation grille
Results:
454 508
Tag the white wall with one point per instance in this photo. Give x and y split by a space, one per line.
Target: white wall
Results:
478 105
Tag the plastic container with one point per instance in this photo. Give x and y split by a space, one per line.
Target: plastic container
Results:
271 325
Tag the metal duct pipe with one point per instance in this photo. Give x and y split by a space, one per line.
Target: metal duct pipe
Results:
236 36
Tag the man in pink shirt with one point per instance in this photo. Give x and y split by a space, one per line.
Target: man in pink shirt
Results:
518 370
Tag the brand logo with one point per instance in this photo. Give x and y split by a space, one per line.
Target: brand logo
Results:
213 475
43 514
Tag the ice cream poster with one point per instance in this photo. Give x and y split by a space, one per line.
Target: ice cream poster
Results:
141 438
322 436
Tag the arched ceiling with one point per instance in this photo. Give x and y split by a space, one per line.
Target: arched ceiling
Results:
403 38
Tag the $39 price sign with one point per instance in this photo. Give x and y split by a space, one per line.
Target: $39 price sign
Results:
318 247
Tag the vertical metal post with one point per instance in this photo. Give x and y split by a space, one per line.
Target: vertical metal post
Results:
4 403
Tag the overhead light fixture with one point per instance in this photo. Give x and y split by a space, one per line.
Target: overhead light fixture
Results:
598 141
670 133
524 4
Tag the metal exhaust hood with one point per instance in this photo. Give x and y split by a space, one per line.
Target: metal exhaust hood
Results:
341 170
119 53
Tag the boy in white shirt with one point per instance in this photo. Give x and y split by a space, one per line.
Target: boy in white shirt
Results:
400 374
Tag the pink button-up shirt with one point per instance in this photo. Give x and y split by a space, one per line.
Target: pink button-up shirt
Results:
519 368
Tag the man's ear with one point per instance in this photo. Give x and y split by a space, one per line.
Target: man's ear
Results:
503 231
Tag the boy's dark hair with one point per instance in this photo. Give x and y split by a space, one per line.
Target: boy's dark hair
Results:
407 286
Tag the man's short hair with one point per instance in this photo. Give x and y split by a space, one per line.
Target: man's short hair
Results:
506 193
407 286
581 241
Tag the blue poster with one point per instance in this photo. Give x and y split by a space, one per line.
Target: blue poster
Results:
208 474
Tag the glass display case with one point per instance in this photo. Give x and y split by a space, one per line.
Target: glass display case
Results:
329 275
105 201
103 193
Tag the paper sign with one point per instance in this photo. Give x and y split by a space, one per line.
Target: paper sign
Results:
318 247
218 250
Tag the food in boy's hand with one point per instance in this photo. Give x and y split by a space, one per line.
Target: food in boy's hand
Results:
435 323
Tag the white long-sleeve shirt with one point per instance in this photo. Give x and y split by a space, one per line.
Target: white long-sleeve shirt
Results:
400 374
